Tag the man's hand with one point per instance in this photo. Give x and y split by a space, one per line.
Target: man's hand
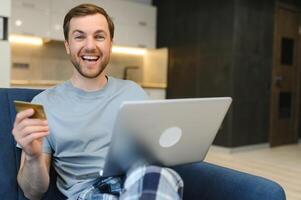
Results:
29 133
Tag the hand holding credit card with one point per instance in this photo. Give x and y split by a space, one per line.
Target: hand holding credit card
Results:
39 112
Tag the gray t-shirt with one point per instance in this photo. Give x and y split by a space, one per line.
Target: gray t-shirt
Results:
81 125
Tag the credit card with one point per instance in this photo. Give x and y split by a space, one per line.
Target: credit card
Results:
39 110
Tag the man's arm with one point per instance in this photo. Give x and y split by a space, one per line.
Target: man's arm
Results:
33 176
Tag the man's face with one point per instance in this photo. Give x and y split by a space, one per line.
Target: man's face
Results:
89 44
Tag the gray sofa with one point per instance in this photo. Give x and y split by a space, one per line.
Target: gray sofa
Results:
202 181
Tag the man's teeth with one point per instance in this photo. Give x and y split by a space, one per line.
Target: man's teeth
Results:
90 58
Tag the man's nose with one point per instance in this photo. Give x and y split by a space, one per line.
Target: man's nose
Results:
90 43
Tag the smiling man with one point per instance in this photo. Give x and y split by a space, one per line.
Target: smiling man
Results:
80 118
89 44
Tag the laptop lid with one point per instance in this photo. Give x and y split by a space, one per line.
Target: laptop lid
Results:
165 132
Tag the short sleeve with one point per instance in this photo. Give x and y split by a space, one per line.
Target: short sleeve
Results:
46 146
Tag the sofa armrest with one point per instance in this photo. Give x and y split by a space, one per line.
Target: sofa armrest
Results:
207 181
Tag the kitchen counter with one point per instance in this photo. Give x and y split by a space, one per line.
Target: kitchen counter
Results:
50 83
154 90
153 85
34 83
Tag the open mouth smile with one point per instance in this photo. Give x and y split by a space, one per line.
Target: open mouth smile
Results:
90 58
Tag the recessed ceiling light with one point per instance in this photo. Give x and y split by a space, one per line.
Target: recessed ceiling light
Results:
18 22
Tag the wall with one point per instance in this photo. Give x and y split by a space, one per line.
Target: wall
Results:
47 62
221 48
50 62
120 61
252 62
299 61
198 35
4 64
5 48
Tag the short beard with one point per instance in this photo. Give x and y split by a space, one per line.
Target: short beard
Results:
78 68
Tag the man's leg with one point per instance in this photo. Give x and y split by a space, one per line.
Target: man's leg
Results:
103 189
152 183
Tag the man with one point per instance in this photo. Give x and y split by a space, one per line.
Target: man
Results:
80 117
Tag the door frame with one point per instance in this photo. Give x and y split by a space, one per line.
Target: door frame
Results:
296 112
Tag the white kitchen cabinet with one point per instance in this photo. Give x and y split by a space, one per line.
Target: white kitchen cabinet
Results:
129 13
136 36
58 6
56 26
120 36
42 5
142 37
31 22
58 11
135 24
5 8
63 6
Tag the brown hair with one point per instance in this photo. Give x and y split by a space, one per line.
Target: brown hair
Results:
84 10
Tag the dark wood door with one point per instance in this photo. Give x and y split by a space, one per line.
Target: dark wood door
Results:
284 86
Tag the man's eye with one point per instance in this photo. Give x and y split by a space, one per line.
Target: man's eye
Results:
99 37
79 37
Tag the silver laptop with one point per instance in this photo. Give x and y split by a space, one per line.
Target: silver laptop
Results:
164 132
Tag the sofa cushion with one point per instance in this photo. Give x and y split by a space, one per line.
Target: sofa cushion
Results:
9 154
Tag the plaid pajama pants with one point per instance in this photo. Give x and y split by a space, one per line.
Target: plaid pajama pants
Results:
143 183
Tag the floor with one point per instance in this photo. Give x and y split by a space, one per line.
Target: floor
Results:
281 164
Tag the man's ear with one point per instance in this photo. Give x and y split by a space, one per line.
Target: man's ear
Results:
111 47
67 47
